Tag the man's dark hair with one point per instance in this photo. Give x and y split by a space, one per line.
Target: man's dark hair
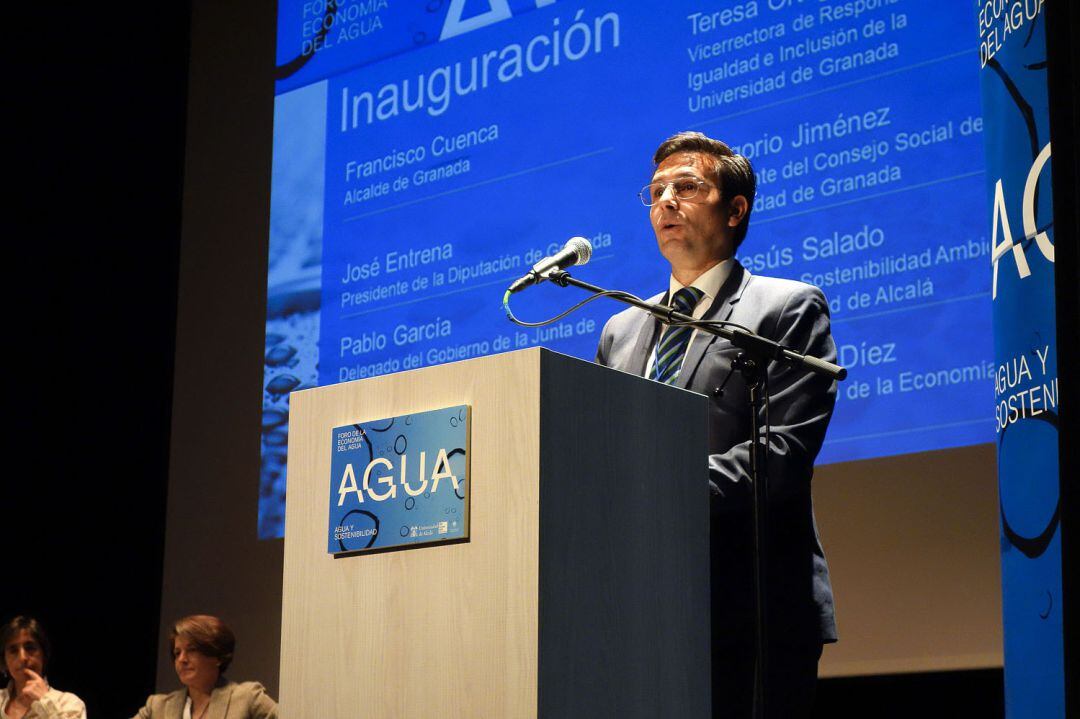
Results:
734 173
12 629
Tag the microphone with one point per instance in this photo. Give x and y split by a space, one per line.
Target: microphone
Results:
576 251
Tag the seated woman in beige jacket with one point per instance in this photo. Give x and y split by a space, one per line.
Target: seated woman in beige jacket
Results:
202 647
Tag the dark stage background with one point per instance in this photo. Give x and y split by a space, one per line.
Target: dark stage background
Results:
96 166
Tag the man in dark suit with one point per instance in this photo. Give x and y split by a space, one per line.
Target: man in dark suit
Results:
699 201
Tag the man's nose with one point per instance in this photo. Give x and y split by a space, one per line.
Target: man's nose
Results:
667 197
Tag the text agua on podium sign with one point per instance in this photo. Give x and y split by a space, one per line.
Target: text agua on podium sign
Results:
399 482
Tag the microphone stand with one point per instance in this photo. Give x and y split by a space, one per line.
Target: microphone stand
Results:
752 363
755 345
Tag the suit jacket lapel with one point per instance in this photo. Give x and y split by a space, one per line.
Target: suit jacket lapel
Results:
174 705
720 309
645 340
219 702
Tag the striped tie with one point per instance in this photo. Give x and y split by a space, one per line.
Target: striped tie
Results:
673 343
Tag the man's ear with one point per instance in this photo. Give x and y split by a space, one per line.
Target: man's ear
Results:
737 209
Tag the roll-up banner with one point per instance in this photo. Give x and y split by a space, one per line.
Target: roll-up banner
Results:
1013 60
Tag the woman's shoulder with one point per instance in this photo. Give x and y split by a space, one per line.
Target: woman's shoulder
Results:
63 704
253 698
245 687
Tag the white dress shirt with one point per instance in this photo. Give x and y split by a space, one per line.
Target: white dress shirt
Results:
54 705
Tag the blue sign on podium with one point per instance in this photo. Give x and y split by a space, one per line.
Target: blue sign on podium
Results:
399 482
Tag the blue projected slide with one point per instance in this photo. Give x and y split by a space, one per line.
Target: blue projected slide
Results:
426 156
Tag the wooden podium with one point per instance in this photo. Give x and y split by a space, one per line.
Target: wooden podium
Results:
583 590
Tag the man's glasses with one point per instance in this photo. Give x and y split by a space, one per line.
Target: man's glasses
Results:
685 188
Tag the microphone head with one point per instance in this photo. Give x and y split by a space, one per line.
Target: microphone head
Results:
581 247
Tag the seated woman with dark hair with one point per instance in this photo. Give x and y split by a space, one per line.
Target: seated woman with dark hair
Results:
201 650
28 694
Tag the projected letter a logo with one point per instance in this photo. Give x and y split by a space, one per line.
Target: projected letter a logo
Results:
497 10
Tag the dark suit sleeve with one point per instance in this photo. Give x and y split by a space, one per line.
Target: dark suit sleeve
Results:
800 405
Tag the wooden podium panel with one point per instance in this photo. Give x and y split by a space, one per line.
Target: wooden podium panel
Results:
582 590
